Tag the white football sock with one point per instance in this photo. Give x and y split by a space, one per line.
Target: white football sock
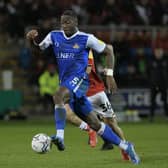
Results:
123 145
83 126
60 133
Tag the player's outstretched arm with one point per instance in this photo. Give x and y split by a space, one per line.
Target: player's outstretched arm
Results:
34 38
110 62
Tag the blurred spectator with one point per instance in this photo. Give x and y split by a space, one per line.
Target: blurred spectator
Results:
94 9
3 17
37 68
128 13
143 9
140 39
141 62
131 74
158 70
20 14
161 40
30 12
80 9
111 13
16 22
133 45
48 84
121 49
25 56
159 13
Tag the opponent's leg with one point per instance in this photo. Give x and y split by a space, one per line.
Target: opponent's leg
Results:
102 106
74 119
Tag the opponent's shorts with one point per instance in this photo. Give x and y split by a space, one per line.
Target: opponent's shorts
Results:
101 105
78 87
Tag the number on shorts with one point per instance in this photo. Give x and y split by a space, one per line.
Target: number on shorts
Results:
74 81
105 107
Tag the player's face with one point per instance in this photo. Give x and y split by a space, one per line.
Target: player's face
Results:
68 25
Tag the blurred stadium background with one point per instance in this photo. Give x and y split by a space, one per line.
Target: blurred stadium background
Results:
135 28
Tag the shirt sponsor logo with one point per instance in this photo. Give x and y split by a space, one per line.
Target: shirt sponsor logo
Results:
65 55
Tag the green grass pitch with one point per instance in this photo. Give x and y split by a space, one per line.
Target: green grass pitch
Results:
150 139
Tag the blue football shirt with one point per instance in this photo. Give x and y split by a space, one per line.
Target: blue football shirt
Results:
71 52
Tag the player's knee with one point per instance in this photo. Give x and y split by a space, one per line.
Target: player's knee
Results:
61 96
57 98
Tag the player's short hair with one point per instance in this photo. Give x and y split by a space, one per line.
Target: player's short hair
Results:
70 13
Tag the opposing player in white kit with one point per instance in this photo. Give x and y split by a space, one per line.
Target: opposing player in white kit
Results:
102 106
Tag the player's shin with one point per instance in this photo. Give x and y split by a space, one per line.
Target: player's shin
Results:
60 118
108 135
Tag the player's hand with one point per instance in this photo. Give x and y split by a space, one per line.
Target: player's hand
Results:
111 84
32 34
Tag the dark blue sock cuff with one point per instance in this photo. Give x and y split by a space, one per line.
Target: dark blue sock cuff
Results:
60 118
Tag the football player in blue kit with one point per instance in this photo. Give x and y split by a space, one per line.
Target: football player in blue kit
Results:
71 49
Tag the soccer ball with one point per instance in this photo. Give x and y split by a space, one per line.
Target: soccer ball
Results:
41 143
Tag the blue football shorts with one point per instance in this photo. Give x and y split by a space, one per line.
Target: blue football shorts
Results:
78 87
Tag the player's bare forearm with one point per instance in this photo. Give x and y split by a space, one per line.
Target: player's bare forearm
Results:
110 60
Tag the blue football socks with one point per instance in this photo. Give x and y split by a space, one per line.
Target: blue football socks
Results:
108 135
60 117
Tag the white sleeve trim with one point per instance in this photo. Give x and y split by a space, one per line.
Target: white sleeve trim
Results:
95 44
46 42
